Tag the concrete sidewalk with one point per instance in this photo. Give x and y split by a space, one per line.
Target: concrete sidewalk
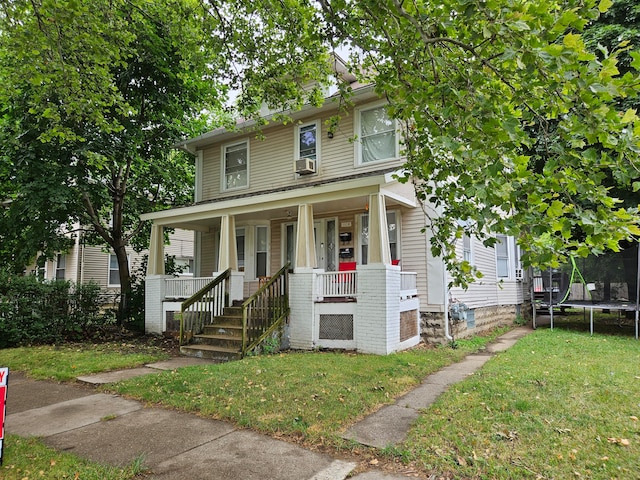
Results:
112 430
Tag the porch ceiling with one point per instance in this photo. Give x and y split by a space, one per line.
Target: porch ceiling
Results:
327 199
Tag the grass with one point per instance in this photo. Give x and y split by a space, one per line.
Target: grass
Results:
66 362
311 396
30 458
559 404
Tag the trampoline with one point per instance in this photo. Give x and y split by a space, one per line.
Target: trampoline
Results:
607 282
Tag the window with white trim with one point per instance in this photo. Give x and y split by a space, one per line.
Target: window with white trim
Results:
393 232
114 275
262 250
377 134
61 265
308 141
466 248
240 242
236 165
502 256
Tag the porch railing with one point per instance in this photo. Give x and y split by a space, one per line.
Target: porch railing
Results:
337 284
266 310
345 284
408 284
200 309
184 287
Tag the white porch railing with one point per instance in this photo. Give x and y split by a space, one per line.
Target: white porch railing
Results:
344 284
408 284
184 287
336 284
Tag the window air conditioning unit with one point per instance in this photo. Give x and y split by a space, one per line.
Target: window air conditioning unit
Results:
305 166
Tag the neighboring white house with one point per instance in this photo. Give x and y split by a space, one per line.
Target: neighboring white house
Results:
327 204
84 263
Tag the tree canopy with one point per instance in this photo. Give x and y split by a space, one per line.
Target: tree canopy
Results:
511 123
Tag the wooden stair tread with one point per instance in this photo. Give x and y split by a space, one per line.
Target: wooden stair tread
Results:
218 337
210 348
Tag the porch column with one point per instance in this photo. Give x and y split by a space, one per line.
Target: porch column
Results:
379 251
155 264
305 241
228 257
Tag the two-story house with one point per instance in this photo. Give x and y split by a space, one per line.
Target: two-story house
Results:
84 263
326 202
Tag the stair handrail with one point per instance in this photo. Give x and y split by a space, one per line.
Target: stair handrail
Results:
277 308
199 296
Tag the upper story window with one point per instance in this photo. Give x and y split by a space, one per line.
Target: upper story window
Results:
307 141
378 136
236 165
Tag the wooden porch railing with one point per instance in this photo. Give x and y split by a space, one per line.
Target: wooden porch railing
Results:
204 306
185 287
337 284
266 310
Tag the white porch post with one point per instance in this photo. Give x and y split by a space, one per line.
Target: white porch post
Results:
305 241
228 257
379 251
155 264
301 283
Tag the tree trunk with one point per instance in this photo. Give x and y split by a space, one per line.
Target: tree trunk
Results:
125 282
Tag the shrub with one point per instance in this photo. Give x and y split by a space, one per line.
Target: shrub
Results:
38 312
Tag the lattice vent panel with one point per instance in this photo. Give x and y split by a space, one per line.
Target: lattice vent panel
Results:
336 327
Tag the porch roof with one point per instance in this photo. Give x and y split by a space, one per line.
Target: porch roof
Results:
326 197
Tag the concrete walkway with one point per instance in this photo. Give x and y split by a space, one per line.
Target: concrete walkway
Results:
174 445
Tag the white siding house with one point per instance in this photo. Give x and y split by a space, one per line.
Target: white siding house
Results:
300 178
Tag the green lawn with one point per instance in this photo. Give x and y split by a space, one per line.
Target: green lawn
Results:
66 362
559 404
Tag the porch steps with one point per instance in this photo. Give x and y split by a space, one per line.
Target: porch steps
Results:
220 341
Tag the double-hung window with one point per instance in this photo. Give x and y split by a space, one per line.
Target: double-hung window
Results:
114 275
466 248
502 256
61 265
236 165
307 141
377 135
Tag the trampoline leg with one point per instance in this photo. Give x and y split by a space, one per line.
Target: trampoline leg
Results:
591 319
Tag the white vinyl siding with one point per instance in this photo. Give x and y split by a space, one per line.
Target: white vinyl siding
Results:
271 160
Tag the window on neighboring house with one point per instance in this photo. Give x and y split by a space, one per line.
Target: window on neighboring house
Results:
502 256
466 248
307 141
114 275
236 162
377 135
61 263
240 248
393 232
262 245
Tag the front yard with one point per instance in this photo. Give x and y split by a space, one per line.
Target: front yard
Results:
559 404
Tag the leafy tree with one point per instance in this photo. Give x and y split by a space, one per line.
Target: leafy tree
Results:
469 80
93 95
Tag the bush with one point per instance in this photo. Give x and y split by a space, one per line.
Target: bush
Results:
37 312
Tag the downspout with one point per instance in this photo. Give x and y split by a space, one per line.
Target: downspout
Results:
445 289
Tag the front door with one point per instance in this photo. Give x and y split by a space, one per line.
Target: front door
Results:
326 237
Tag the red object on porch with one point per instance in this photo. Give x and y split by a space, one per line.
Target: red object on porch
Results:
395 262
346 266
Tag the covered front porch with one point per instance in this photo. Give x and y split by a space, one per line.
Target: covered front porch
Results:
345 289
